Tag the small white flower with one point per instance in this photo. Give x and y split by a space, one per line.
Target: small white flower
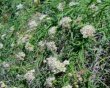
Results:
29 46
49 81
67 86
51 46
99 1
36 1
42 44
72 3
65 22
35 20
55 65
20 6
1 45
66 62
44 61
69 74
42 16
3 36
87 31
32 24
20 55
17 13
93 7
2 84
5 65
13 44
60 6
52 30
29 76
79 77
23 38
12 28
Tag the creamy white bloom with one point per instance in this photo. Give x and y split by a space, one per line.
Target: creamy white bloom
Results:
42 44
55 65
42 16
1 45
87 31
32 24
3 36
13 44
17 13
66 62
23 38
51 46
2 84
70 74
93 7
20 55
73 3
52 30
49 81
12 28
99 1
29 46
67 86
5 65
35 20
20 6
29 76
36 1
65 22
60 6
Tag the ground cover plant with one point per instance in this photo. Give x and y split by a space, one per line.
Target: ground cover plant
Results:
54 43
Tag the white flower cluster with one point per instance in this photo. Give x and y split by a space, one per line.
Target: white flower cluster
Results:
35 20
3 36
19 6
99 1
51 46
52 30
65 22
29 46
49 81
93 7
60 6
5 64
67 86
23 38
36 1
55 65
2 84
12 29
42 44
32 24
20 55
1 45
29 76
73 3
79 77
87 31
